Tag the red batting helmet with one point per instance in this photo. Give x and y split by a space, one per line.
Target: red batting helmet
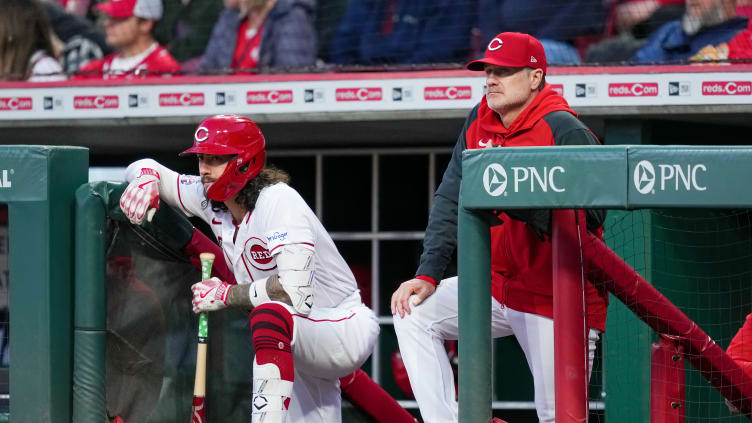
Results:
230 135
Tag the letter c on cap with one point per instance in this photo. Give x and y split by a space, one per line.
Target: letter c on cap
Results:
493 47
201 134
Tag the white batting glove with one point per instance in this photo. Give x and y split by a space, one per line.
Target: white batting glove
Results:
209 295
141 198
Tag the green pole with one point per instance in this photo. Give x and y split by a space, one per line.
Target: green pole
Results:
474 296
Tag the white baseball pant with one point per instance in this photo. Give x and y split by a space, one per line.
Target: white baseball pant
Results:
329 343
421 337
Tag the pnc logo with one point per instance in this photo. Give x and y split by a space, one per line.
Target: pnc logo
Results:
727 88
448 93
644 177
633 89
201 134
529 178
268 97
358 94
15 103
181 99
257 255
674 177
495 179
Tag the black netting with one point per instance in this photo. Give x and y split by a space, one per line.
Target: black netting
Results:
151 337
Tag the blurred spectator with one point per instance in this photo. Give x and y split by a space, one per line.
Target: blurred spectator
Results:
628 26
78 8
82 40
705 23
328 15
377 32
185 27
556 23
27 50
129 25
261 34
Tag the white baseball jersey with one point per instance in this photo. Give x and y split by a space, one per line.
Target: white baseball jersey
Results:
280 217
339 334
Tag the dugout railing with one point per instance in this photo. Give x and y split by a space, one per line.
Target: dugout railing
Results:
572 178
37 183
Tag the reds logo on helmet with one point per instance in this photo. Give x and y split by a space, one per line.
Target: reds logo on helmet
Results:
257 255
201 134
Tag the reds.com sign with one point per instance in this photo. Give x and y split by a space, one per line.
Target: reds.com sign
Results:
448 93
268 97
727 88
181 99
633 89
358 94
15 103
96 102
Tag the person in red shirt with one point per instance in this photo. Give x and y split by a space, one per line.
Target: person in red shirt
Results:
129 28
518 110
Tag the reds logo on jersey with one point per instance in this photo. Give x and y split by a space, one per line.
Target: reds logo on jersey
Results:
257 255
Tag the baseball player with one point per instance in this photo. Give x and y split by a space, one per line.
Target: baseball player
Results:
519 109
308 323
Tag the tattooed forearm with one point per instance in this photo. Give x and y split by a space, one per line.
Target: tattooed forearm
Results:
275 291
239 295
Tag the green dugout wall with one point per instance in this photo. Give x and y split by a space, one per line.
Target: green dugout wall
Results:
692 180
38 184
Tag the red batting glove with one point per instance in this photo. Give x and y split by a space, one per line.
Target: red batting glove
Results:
209 295
141 196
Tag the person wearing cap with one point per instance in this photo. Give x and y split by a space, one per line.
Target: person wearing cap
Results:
518 109
129 28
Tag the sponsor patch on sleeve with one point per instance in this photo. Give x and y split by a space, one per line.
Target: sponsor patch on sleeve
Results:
189 179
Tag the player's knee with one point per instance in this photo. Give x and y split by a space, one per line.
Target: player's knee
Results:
272 330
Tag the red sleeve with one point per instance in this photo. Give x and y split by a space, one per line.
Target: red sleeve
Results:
200 243
427 279
740 349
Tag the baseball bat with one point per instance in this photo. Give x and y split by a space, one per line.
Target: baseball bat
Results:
199 385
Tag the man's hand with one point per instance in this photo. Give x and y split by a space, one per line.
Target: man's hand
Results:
141 195
400 299
209 295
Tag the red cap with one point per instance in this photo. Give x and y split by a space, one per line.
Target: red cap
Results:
512 49
147 9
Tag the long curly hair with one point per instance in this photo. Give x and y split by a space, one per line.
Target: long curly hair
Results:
248 195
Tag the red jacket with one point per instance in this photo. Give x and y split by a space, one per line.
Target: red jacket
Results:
740 349
520 261
158 62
